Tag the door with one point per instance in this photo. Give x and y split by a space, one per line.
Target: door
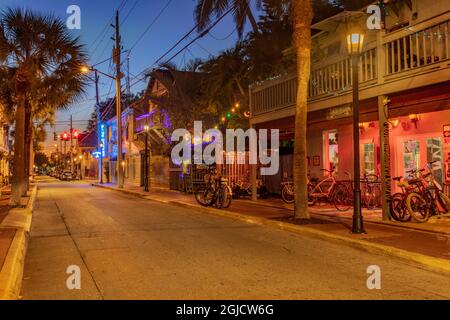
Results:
416 151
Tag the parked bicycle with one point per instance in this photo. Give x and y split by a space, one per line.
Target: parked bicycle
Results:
244 189
421 197
429 199
331 191
215 191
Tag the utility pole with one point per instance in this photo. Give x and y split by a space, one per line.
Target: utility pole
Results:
99 123
71 144
116 54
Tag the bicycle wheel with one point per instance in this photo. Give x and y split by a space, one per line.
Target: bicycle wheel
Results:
418 208
224 198
288 194
204 196
398 208
444 201
342 198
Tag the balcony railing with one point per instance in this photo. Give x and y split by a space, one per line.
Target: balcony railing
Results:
403 52
338 76
418 49
328 80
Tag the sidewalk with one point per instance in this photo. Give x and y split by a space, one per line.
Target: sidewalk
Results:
409 241
14 228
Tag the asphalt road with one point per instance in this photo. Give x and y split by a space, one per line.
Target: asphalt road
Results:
130 248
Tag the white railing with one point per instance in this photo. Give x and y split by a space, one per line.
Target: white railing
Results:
418 49
404 51
338 76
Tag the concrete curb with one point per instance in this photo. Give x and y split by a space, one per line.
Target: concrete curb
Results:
12 272
424 261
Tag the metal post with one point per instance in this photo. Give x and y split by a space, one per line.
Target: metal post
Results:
99 123
358 226
146 177
117 50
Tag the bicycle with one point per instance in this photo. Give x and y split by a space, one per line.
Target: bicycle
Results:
429 200
370 191
287 192
215 191
337 194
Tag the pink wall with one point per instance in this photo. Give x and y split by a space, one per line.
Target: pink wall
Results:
429 125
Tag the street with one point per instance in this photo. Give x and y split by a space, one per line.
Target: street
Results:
131 248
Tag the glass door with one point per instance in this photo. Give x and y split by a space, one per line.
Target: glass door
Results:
415 152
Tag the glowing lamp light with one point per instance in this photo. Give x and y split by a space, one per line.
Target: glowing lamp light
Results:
237 105
146 128
85 69
224 119
75 134
355 42
395 123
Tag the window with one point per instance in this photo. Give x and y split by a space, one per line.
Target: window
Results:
411 156
368 159
331 139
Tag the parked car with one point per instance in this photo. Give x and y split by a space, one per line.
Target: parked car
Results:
66 176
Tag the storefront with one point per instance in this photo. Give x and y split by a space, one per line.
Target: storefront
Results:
417 136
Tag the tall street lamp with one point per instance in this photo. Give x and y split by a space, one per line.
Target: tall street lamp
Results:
355 43
100 171
147 173
120 168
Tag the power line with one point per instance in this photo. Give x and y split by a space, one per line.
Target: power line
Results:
104 32
129 12
151 24
201 35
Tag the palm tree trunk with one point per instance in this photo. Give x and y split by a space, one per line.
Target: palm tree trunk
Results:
302 12
18 185
252 20
28 146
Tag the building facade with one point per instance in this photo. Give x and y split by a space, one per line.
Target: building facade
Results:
404 73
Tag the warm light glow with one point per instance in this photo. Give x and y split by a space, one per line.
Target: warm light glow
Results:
224 119
123 163
81 157
146 128
233 110
85 69
237 105
355 43
395 123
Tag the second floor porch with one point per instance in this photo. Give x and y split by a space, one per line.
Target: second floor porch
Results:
412 57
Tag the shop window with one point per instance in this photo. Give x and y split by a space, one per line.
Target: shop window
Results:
368 159
435 152
331 150
411 156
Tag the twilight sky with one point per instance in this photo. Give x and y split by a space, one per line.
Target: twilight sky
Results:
176 20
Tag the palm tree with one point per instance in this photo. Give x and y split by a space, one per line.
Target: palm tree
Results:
302 17
205 9
46 62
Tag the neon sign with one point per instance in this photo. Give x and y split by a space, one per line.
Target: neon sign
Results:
102 134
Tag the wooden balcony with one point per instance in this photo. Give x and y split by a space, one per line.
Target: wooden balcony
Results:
410 58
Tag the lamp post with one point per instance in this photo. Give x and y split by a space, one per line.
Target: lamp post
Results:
355 43
100 171
117 78
146 177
